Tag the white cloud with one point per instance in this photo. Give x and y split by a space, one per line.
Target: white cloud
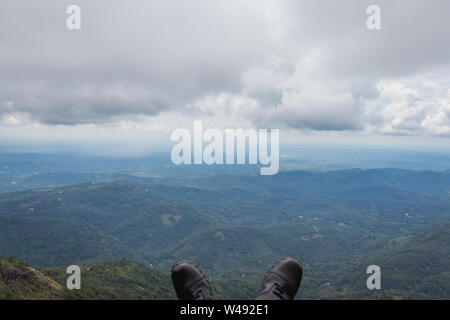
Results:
15 119
414 105
312 98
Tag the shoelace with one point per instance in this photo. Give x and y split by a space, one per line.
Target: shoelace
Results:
199 295
279 291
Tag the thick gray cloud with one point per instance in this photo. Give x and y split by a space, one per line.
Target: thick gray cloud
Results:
298 64
133 57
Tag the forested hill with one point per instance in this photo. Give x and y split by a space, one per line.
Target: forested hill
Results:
121 279
413 267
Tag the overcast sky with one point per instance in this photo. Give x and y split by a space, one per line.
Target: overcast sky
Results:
139 69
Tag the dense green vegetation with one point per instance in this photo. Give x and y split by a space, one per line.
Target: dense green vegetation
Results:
336 222
20 281
116 279
110 279
414 268
47 242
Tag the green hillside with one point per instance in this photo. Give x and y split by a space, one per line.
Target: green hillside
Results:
122 279
336 223
416 267
51 242
20 281
116 279
412 268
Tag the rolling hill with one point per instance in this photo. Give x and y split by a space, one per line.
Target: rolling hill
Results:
51 242
119 279
233 225
413 267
